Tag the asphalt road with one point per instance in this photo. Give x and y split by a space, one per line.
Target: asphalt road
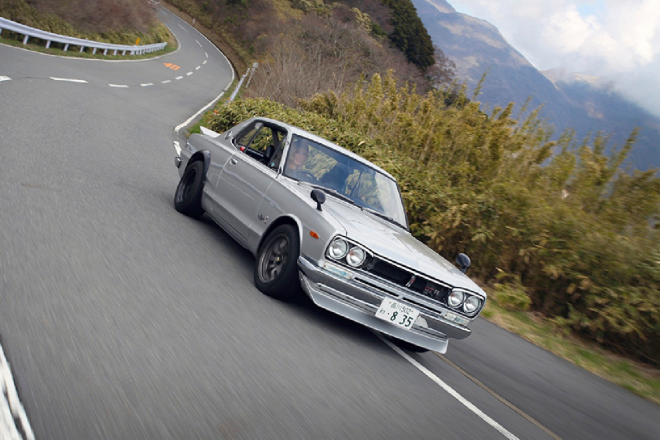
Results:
122 319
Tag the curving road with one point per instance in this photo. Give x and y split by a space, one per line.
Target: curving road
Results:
123 319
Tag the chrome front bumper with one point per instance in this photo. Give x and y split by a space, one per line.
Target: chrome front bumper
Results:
359 301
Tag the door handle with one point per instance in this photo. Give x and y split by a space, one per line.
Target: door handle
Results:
233 161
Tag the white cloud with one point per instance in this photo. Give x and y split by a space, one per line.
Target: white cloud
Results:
619 39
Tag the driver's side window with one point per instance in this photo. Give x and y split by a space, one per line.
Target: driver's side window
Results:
262 141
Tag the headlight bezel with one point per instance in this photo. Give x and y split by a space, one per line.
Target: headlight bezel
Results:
361 256
452 294
339 241
477 306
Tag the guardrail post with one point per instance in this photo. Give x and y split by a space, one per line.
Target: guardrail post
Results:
25 40
94 51
254 68
66 47
48 44
82 48
105 52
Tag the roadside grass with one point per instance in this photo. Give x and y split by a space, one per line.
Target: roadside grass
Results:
634 376
37 45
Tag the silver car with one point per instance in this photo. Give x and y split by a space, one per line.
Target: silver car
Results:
320 217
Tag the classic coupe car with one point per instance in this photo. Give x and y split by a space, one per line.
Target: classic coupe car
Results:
321 218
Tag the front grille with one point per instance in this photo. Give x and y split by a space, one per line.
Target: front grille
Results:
406 278
388 271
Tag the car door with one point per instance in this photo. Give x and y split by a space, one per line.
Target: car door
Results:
247 176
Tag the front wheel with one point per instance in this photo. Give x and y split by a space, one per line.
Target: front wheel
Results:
188 195
276 268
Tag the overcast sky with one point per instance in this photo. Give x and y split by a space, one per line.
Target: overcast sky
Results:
616 39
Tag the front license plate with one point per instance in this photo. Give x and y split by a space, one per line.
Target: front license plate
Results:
397 313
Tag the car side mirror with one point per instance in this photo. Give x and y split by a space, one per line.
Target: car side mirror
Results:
463 261
319 197
228 135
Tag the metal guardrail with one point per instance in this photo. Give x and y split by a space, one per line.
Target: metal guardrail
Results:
70 41
250 72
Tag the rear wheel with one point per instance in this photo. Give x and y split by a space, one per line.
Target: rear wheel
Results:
276 268
188 195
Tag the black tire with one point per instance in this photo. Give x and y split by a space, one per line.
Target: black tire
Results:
188 195
276 268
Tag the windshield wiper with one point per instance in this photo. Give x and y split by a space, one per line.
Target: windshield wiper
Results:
383 216
336 194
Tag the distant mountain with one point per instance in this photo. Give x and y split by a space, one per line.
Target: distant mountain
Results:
584 103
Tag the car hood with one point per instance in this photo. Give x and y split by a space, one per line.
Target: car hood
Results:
396 244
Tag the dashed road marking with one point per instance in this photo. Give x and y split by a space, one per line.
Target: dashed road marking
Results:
166 81
198 67
121 86
147 84
205 61
206 54
178 78
82 81
189 73
200 44
469 405
5 78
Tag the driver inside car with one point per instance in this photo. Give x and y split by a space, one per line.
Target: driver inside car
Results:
299 153
297 158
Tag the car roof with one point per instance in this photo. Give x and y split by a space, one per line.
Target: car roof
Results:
304 133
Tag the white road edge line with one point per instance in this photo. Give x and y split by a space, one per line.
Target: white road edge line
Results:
5 78
177 148
82 81
450 390
482 385
11 408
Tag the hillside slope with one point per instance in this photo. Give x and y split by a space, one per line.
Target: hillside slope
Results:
477 46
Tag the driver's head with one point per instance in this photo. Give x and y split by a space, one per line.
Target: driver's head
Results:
299 152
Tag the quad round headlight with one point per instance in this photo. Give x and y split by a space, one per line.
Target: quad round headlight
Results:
356 256
455 298
338 248
471 304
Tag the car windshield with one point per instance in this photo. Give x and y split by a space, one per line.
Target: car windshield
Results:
367 187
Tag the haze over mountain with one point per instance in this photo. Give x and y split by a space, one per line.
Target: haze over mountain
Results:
584 103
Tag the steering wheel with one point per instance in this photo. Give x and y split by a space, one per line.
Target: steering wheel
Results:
304 175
